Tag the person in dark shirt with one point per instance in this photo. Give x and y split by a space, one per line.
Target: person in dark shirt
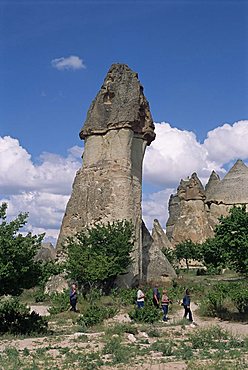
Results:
73 298
156 296
186 305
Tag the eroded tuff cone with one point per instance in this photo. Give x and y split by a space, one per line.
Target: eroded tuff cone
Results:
233 188
194 212
214 179
120 103
108 187
187 214
157 266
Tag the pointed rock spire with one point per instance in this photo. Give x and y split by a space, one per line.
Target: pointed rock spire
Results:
214 179
232 189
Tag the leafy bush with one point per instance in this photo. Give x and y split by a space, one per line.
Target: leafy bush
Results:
15 318
60 302
125 296
18 270
239 296
95 315
96 256
40 296
213 302
149 314
228 247
48 269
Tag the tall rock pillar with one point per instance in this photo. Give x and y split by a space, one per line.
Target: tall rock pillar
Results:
108 187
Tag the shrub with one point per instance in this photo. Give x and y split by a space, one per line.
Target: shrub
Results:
18 270
239 296
15 318
148 314
40 296
95 315
60 302
97 255
125 296
213 302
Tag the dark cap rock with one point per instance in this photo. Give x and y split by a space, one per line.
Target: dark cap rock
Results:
120 103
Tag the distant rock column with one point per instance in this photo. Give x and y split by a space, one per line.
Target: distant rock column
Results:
108 187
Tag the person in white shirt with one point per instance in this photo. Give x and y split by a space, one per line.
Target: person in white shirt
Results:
140 299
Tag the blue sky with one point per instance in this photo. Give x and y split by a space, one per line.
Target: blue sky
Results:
191 57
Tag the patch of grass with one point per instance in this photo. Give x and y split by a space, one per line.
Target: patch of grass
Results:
154 333
119 352
120 329
213 337
184 352
164 346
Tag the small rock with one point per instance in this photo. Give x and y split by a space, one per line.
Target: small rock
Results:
131 338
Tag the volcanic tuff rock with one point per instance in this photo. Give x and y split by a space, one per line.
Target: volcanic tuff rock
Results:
156 266
117 130
194 211
45 253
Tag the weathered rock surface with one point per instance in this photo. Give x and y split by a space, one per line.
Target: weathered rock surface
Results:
117 130
56 284
46 253
156 265
194 211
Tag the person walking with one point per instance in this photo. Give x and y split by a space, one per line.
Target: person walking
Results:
186 305
165 304
73 298
156 296
140 298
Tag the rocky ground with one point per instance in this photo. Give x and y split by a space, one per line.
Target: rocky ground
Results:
121 344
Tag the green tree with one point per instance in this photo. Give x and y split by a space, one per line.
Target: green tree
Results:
229 247
18 270
187 250
97 255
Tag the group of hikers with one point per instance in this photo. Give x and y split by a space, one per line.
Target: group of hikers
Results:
165 301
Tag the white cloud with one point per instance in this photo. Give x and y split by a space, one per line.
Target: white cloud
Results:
175 154
41 189
155 205
228 142
18 173
72 62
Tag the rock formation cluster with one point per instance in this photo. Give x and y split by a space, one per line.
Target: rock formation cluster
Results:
194 210
108 186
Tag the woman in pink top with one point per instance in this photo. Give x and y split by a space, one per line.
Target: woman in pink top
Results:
165 303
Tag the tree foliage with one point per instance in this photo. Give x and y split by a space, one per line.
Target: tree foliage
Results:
229 247
18 270
187 250
99 254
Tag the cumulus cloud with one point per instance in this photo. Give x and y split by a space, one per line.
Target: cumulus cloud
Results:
41 189
228 142
175 154
19 173
154 205
72 62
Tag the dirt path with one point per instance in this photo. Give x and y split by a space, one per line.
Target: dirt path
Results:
236 328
